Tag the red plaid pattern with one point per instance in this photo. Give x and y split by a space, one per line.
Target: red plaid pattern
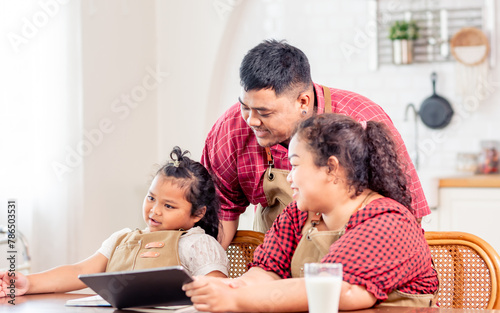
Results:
383 249
238 163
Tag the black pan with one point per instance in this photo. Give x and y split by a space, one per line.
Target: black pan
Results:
435 111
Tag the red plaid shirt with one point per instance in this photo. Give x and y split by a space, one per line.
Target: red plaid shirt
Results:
238 163
383 249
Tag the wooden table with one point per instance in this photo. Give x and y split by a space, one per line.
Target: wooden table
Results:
55 303
51 302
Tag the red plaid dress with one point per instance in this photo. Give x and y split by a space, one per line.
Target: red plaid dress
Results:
237 162
383 249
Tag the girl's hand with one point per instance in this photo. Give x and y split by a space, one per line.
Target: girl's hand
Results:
212 294
237 283
17 281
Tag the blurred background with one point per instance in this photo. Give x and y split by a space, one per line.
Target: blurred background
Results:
96 93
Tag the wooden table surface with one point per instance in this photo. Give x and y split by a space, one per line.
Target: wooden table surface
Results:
55 303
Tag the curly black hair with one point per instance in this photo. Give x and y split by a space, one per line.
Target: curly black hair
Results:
368 155
200 188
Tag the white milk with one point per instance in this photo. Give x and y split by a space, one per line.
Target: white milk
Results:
323 293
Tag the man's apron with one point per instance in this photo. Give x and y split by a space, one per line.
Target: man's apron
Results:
276 187
138 250
315 244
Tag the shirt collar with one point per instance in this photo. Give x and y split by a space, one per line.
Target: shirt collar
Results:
319 99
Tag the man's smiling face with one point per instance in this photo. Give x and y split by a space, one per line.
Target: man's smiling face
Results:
272 118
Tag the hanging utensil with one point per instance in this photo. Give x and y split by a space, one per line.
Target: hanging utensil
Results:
435 112
416 158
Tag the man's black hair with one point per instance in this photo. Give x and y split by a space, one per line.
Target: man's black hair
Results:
275 65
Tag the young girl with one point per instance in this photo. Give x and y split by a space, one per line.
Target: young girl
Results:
181 213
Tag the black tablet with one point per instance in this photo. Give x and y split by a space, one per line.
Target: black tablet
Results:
152 287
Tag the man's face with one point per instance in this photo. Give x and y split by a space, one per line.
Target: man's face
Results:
271 118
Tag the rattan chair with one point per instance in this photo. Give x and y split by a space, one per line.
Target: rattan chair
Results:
468 269
240 251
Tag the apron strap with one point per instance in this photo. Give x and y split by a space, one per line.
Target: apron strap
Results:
328 99
270 160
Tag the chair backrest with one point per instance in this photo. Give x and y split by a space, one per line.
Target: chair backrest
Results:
468 269
240 251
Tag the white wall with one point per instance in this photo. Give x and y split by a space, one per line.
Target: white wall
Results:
118 57
196 47
192 47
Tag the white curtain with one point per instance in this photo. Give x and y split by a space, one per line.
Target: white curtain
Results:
40 126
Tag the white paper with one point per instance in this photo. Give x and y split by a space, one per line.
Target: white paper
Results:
88 301
99 301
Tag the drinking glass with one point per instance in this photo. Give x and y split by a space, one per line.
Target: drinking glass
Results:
323 282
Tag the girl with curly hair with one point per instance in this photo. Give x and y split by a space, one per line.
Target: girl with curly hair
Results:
351 206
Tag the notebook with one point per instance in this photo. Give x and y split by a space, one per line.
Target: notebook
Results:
142 288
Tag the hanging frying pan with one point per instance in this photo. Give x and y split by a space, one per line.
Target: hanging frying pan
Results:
435 111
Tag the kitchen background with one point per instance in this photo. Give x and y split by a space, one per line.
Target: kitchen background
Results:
97 92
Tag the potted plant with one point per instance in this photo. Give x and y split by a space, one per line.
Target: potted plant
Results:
402 34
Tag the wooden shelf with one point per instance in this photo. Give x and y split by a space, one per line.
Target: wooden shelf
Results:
473 181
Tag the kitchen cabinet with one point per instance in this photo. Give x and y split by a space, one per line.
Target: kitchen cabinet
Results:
471 204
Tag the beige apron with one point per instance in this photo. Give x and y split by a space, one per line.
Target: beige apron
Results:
138 250
276 187
315 244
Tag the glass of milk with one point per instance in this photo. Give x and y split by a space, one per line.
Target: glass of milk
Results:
323 281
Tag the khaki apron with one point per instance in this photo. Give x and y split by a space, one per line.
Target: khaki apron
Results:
315 244
138 250
276 187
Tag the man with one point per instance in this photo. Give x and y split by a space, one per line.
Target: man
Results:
246 150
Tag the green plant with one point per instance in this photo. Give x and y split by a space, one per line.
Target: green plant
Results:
403 30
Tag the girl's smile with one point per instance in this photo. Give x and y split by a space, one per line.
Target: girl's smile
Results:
153 222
